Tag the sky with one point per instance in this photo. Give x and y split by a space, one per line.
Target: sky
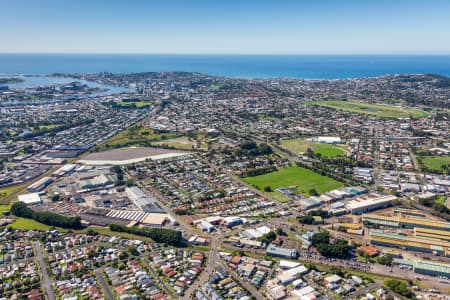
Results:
225 27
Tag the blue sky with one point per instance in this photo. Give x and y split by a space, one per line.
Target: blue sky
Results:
228 26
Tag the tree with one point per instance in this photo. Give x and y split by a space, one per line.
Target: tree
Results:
320 238
313 192
399 286
133 251
20 209
159 235
268 237
268 189
279 231
385 260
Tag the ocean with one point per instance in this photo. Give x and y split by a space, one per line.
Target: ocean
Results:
245 66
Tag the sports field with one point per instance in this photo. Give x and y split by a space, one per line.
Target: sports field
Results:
300 146
302 178
382 111
435 163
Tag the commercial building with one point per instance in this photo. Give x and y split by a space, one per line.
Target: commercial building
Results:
371 202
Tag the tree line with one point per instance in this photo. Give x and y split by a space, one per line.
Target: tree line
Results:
20 209
159 235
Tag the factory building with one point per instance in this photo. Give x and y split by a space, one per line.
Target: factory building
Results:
427 267
437 247
142 200
39 185
369 203
281 252
404 222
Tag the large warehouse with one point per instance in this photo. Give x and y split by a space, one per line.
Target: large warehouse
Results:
360 206
406 242
425 267
404 222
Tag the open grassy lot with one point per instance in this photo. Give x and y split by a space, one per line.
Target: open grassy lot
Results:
4 207
49 127
28 224
136 104
134 136
8 192
300 146
183 143
382 111
304 179
435 163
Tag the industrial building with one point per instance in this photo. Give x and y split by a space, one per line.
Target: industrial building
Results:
232 221
308 203
64 170
142 200
437 247
329 140
40 185
370 202
152 219
427 233
427 267
30 199
404 222
281 252
288 276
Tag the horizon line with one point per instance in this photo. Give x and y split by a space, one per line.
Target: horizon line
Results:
231 54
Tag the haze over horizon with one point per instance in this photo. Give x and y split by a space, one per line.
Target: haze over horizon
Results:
229 27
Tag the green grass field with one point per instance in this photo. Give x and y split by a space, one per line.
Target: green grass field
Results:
138 104
435 163
27 224
8 192
48 127
134 136
304 179
183 143
300 146
382 111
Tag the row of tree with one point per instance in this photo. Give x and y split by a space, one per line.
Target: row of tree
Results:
258 171
160 235
20 209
